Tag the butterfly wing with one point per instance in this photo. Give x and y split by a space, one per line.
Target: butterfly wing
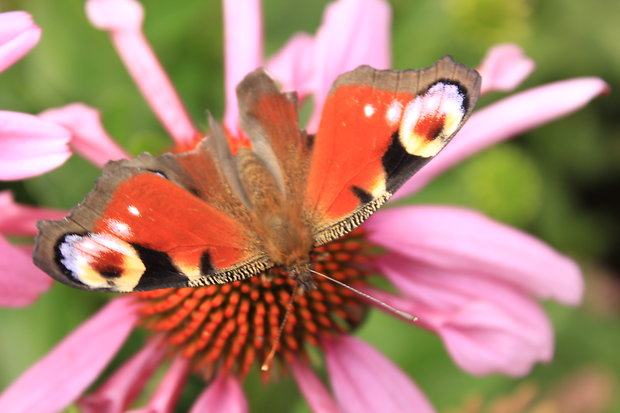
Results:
156 222
377 129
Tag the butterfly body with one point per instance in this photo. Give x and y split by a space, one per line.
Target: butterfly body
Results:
210 216
278 221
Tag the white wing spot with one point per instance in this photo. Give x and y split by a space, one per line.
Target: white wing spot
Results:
369 110
119 228
392 115
133 210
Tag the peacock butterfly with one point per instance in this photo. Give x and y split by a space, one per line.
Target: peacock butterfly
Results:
211 217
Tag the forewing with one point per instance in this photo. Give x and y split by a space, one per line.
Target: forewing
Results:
269 117
169 221
377 129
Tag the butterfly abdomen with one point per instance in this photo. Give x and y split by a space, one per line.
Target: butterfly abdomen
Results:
276 219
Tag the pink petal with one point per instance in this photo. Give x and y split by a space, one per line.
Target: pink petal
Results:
440 298
243 50
504 68
169 389
364 380
314 391
21 282
17 219
89 137
353 32
482 340
18 34
507 118
293 65
122 388
462 240
59 378
30 146
482 337
224 394
123 19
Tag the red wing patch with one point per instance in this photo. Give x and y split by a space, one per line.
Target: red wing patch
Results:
149 233
378 128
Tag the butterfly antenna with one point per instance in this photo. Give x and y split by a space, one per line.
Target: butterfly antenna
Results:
272 352
383 304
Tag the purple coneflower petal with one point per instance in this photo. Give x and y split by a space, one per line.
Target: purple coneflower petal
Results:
481 336
353 32
166 396
17 219
21 282
293 65
224 394
63 374
364 380
30 146
122 388
462 240
507 118
314 391
18 34
89 137
243 50
504 68
492 316
123 19
483 340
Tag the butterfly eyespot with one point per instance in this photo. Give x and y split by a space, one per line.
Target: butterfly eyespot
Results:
100 261
431 118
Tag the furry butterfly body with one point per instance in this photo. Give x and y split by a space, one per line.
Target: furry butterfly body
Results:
210 216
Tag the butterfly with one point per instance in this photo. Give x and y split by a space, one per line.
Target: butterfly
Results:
211 216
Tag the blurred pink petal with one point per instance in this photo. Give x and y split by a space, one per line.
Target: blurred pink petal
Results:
493 316
462 240
224 394
353 32
166 396
122 388
504 68
63 374
89 137
243 51
315 393
21 282
483 336
30 146
483 340
364 380
507 118
123 19
18 34
18 219
293 65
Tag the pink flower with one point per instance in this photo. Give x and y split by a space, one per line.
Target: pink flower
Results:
472 281
29 146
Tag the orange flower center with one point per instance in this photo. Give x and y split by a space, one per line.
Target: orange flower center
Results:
232 326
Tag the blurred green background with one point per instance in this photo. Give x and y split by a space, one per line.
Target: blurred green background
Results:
559 182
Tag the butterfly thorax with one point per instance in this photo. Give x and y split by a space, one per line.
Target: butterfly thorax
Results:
277 219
